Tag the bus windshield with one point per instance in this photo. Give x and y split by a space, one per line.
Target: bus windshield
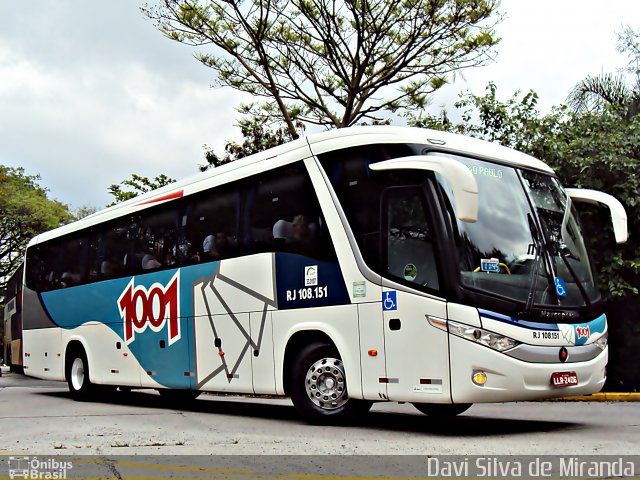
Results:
527 244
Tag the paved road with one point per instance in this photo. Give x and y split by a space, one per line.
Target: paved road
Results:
39 417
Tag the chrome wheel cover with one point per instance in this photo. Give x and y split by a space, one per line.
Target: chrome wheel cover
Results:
325 384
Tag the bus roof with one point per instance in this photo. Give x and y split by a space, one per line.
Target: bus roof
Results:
314 144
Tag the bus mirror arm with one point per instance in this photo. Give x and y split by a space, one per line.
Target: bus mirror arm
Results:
618 213
465 187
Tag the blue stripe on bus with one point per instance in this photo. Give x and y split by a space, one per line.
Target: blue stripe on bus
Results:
98 302
582 331
516 321
599 325
71 307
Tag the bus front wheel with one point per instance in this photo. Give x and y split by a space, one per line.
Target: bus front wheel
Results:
80 386
319 386
442 410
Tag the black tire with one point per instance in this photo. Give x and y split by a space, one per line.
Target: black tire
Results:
442 410
319 389
78 380
178 396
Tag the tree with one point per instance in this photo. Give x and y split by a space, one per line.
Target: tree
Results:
137 185
333 63
619 91
25 211
260 133
84 211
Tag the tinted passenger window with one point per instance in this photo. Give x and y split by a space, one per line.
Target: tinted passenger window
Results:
387 212
409 247
274 211
213 223
283 214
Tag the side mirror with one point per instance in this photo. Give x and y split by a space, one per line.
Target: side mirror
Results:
618 213
465 187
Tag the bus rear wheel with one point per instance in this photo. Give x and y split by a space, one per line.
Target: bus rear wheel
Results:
442 409
80 386
319 387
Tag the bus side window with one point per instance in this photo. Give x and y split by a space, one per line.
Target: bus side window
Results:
74 253
160 241
410 254
283 214
37 271
212 223
401 249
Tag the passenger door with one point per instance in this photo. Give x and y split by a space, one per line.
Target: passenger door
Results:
417 364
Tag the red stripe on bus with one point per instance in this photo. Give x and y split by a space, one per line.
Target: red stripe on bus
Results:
168 196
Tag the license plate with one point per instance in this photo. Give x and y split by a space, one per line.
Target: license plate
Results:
564 379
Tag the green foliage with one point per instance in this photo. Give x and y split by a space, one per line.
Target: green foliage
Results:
25 211
602 152
84 211
333 63
619 92
136 185
259 132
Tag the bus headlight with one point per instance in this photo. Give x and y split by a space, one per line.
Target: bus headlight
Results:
484 337
601 343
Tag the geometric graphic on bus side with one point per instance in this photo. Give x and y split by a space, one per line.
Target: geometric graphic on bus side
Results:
211 294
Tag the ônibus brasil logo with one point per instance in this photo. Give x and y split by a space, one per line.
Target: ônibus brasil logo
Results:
141 308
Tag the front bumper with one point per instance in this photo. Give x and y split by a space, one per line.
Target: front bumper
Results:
511 379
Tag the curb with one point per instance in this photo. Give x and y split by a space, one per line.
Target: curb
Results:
602 397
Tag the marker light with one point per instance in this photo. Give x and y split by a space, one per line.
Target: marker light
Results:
479 378
484 337
601 343
373 353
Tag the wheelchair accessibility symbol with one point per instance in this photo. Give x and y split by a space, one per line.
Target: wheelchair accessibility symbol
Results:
561 288
389 301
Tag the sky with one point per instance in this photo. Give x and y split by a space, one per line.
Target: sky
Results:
91 92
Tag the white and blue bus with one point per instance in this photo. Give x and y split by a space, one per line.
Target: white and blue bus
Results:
352 266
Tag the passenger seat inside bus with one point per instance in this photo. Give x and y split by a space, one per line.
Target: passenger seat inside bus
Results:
284 233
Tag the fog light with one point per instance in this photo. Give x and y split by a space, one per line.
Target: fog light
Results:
479 378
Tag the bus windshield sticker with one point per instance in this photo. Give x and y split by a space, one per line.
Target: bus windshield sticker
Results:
490 265
410 272
359 289
389 301
561 288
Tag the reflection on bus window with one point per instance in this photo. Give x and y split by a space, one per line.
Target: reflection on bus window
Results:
276 211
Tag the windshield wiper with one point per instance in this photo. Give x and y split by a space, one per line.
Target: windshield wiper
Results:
563 254
540 254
